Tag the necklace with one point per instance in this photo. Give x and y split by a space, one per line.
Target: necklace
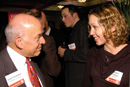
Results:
107 58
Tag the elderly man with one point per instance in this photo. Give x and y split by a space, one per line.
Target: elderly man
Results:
48 61
24 40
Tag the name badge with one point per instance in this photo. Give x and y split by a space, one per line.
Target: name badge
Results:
14 79
115 77
72 46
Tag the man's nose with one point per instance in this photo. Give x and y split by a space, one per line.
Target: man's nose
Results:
42 40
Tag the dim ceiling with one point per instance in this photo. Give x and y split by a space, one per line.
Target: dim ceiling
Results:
24 5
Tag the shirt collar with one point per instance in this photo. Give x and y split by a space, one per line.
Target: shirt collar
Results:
73 28
48 32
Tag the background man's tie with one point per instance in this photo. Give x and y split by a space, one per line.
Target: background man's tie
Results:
32 74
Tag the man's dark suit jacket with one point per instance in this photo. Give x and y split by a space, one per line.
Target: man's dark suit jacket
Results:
7 67
48 61
59 38
76 59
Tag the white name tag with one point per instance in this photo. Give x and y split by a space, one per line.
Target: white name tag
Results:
14 79
72 46
115 77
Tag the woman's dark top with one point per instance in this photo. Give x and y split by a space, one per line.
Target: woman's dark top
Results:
100 64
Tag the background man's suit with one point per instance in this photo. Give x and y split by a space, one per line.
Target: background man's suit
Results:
48 61
59 37
7 67
75 59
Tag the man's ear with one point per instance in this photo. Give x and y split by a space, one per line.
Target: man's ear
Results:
113 27
75 15
18 42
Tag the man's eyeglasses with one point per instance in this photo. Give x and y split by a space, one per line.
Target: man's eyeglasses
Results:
64 16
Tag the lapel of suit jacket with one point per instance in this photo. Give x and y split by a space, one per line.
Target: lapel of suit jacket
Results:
39 74
8 63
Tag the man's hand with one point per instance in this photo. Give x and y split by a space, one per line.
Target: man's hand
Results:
61 51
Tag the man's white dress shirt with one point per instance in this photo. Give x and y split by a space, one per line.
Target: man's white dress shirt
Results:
20 64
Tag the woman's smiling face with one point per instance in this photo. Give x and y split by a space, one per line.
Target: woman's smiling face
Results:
96 30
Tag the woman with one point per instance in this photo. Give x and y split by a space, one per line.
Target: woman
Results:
108 64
